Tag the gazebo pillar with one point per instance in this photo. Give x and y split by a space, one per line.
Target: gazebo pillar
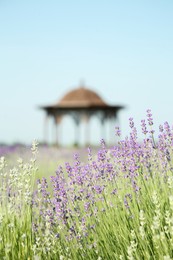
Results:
102 121
77 132
87 131
57 121
56 133
45 134
112 120
102 130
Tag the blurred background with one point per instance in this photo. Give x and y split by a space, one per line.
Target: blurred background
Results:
123 50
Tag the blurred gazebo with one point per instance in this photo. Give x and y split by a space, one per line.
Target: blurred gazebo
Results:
81 104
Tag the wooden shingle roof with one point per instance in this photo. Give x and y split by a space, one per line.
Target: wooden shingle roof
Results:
81 97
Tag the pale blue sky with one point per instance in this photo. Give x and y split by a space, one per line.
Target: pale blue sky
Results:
122 49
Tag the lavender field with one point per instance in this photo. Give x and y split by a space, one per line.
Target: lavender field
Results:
113 203
48 157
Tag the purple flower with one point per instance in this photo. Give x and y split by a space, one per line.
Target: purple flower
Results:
161 128
149 117
89 154
101 155
131 122
102 143
144 128
114 192
117 131
167 128
98 189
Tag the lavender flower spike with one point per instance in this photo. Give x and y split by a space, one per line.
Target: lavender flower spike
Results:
144 128
149 115
117 131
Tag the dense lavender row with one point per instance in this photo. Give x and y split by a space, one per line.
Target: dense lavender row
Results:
119 205
5 149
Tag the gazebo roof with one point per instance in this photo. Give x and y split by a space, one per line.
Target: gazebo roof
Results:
81 97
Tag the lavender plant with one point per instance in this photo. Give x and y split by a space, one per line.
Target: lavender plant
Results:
16 208
118 205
